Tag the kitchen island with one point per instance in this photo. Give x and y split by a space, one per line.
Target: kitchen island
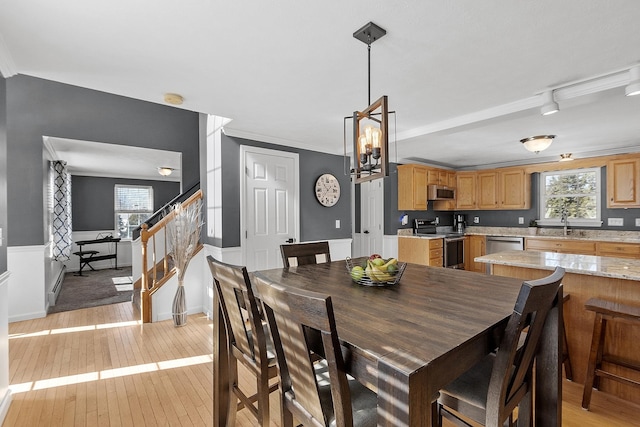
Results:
587 276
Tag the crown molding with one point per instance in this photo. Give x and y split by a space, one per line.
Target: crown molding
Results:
236 133
7 66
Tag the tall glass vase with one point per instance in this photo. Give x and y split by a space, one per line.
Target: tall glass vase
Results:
179 307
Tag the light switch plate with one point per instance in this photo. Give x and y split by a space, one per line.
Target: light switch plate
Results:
337 223
637 222
617 222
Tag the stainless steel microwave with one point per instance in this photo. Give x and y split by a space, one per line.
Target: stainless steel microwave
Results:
440 192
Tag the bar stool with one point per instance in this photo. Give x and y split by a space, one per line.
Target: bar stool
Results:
605 311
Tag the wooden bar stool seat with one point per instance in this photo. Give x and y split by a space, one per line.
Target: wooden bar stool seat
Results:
605 311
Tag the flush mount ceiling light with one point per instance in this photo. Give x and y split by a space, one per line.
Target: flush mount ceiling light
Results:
370 126
565 157
537 143
550 106
633 88
173 99
165 171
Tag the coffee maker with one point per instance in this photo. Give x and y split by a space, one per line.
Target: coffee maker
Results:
459 222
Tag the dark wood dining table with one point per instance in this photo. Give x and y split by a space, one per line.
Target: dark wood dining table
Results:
407 341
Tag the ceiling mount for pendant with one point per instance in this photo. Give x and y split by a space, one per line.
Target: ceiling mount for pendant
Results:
369 33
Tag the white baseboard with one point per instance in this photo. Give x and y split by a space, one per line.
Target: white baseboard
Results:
4 405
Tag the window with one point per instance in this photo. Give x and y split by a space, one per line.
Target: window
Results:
133 205
576 192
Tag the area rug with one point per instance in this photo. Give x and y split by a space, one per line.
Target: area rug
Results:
94 288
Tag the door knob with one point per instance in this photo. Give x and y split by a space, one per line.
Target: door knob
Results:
366 231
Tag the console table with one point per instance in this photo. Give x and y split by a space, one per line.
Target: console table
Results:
88 256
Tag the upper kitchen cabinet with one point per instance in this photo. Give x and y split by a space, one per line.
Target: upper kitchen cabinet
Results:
504 189
514 189
488 190
412 187
623 179
466 190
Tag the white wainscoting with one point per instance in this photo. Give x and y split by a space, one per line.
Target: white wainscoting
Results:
5 393
389 246
27 294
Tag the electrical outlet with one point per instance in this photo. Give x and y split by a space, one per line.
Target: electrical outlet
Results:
404 219
617 222
337 223
637 222
520 220
476 220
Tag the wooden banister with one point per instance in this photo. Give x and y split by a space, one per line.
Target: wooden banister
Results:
161 271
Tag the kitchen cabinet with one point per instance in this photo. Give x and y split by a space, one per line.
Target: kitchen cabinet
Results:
477 246
421 251
504 189
514 189
412 187
564 246
466 190
618 249
623 180
488 190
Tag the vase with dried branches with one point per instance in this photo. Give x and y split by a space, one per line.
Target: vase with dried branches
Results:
183 235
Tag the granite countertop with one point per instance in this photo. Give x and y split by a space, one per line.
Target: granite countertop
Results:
619 268
542 233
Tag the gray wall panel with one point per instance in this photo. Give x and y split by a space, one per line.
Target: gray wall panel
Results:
3 173
92 200
37 107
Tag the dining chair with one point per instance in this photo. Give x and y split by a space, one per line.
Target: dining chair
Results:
489 392
320 392
248 337
304 253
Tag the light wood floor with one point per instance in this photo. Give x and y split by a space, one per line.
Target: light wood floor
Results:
100 367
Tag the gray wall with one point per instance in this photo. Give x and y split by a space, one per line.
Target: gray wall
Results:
92 199
37 107
316 221
3 173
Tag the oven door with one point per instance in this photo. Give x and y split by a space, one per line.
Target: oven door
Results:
454 252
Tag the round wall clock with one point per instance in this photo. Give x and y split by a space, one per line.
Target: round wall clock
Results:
327 190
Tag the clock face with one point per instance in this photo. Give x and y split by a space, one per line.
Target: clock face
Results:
327 190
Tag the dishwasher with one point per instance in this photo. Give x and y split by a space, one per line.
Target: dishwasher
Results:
504 243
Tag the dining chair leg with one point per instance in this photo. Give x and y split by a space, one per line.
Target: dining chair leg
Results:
262 388
525 411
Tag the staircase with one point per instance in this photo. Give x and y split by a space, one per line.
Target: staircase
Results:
157 265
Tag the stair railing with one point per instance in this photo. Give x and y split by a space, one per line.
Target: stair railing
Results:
159 273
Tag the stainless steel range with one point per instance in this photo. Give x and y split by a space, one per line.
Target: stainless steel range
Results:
453 242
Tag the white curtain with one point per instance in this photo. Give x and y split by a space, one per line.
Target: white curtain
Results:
61 221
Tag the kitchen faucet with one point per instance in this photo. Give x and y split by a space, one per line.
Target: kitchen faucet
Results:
564 219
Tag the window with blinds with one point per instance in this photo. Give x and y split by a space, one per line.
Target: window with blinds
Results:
133 204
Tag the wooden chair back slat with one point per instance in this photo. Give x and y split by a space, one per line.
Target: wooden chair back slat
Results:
304 253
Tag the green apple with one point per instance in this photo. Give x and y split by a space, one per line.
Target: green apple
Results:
378 262
357 273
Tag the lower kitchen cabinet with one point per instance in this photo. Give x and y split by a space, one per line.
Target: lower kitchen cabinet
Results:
420 251
563 246
618 250
476 246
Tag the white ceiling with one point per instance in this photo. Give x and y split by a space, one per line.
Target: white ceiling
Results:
464 76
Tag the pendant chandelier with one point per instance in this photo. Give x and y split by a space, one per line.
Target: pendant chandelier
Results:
370 126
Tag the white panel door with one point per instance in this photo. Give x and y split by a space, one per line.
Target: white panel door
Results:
371 217
270 205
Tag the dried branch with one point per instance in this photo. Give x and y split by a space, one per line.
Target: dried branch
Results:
183 235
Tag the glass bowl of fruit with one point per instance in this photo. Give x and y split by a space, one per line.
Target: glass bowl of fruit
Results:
375 270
